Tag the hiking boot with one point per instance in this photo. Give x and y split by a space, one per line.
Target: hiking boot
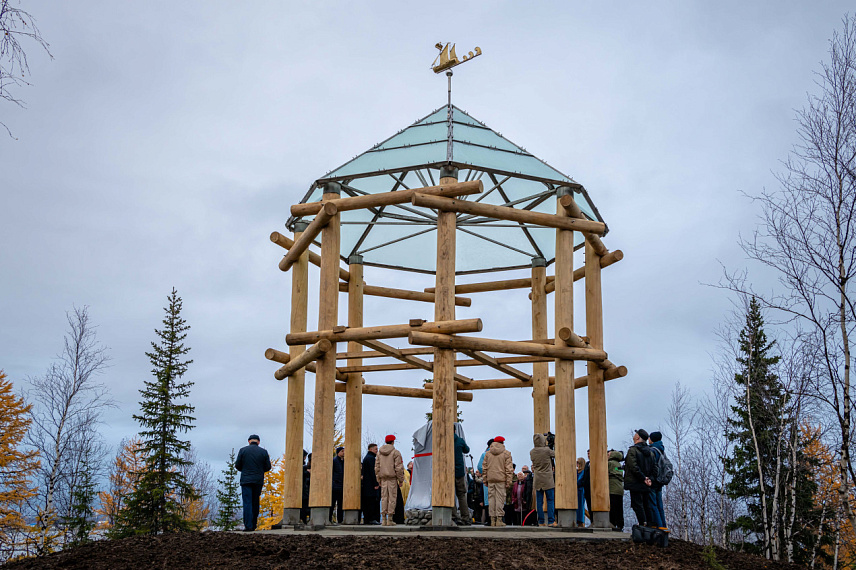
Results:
499 522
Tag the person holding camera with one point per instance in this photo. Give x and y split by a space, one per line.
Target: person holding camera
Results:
542 468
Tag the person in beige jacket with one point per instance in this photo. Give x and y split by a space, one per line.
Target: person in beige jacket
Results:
389 470
498 471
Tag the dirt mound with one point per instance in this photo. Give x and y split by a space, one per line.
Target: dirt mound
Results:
231 550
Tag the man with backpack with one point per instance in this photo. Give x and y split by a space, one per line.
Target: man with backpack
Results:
640 472
664 476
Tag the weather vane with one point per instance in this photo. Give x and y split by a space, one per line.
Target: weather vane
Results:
447 58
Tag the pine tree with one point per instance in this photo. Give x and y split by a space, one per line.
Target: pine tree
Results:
228 497
155 506
17 469
81 519
768 470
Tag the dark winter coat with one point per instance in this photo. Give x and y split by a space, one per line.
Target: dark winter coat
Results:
338 473
461 448
585 482
634 476
659 449
253 461
370 484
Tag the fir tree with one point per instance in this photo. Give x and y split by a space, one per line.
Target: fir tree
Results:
81 516
155 506
228 497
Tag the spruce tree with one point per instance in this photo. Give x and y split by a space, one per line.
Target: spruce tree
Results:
155 506
228 497
81 519
763 428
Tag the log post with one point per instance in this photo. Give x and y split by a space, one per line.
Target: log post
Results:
566 445
444 401
320 488
354 398
293 485
540 370
596 392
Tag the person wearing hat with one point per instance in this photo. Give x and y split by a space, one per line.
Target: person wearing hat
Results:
253 462
461 448
639 474
498 471
655 440
389 470
336 504
370 487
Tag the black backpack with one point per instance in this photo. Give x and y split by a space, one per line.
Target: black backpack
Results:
665 470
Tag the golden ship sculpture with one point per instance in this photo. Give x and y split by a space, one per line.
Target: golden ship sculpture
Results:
447 58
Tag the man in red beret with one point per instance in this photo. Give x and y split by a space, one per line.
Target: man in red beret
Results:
389 470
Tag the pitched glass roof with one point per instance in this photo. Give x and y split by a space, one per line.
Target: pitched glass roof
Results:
404 236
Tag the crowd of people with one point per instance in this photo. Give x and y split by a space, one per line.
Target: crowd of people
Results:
493 492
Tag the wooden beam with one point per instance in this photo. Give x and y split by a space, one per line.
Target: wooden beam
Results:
458 363
277 356
488 360
295 402
307 237
505 346
403 392
404 294
583 381
389 198
463 362
411 360
351 488
315 352
314 258
340 376
506 213
385 331
605 261
321 485
573 209
540 370
498 383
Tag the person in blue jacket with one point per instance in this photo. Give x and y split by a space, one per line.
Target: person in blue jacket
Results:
461 448
253 462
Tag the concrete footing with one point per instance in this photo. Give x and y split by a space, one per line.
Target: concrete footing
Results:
600 519
567 518
291 517
319 516
441 516
351 517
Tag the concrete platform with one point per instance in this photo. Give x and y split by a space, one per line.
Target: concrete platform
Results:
508 532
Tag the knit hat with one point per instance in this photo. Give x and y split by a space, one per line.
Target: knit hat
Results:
655 436
643 434
499 439
389 439
255 437
338 449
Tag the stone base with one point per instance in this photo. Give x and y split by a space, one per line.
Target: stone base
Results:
600 519
441 516
319 516
351 517
567 518
291 517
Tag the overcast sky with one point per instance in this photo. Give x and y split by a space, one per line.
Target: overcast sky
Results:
165 141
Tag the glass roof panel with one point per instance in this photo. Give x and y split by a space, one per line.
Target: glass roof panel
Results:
400 158
482 136
504 161
462 117
417 135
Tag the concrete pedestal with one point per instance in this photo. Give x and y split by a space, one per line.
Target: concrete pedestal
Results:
567 518
441 516
291 517
319 516
351 517
600 519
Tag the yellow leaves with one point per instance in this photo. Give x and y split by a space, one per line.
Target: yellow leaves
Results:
127 466
271 502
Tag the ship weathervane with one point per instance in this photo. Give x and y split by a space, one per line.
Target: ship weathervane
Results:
447 58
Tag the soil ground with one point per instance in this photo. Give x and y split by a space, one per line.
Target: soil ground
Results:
403 551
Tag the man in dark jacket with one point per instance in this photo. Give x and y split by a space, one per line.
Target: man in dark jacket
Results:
371 488
658 512
307 472
461 448
585 483
338 485
253 462
639 473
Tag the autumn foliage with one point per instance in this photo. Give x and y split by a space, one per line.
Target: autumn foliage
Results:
271 502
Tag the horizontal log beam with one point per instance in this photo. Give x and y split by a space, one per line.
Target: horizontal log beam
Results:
573 209
402 392
341 377
314 352
411 360
505 346
277 356
461 362
389 198
387 331
580 272
582 381
499 383
308 235
488 360
507 213
315 259
403 294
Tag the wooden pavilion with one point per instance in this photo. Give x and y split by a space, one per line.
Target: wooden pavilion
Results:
447 196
